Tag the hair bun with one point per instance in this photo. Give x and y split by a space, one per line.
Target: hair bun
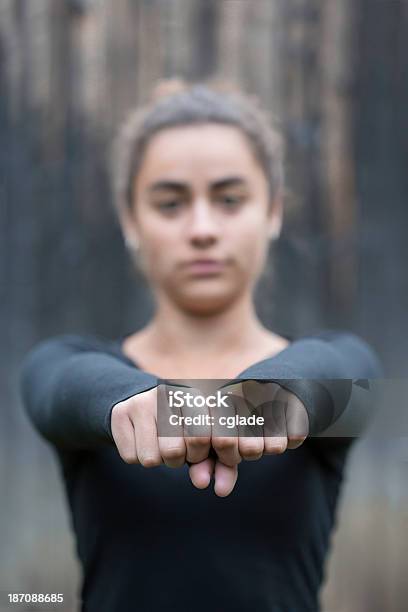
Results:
168 87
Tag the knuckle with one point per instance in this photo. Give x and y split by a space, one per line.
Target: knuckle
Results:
224 443
251 448
119 412
252 454
175 452
277 447
150 461
198 442
128 457
295 441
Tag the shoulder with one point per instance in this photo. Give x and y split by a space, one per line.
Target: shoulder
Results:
73 340
71 343
358 355
328 334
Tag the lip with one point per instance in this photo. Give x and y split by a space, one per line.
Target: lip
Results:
205 267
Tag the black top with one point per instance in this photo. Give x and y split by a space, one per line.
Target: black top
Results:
147 539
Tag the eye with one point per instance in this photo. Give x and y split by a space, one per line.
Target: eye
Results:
169 206
230 200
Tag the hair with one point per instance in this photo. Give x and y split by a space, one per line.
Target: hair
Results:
174 102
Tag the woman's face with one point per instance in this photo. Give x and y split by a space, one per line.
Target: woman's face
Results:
201 194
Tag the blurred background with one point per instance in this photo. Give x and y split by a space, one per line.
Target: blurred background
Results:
335 74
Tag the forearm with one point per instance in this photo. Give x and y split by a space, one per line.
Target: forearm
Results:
69 387
319 369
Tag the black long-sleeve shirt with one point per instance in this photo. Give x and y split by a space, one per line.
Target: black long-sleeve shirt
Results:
146 538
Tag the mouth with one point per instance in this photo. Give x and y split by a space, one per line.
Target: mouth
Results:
205 267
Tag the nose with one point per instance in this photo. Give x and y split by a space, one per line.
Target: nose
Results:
204 227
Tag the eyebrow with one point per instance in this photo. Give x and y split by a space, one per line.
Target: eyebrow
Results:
180 186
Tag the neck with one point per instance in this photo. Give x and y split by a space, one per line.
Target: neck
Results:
232 329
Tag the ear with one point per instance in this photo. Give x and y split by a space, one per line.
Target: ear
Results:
129 227
275 218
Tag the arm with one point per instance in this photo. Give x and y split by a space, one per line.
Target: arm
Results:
69 385
319 369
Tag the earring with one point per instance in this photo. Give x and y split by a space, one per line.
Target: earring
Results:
132 243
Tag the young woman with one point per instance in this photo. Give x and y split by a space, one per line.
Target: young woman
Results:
199 184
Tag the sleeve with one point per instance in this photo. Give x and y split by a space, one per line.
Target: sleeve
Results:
69 385
321 369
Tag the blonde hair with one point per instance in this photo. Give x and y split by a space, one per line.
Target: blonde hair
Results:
174 102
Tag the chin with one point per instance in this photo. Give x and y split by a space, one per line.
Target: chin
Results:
207 302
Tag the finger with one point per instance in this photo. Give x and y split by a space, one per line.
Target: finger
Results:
172 450
224 433
225 478
147 443
124 437
197 437
171 442
251 448
227 447
297 421
197 448
275 431
250 441
201 473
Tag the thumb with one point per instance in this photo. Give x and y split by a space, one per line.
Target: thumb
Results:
201 473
